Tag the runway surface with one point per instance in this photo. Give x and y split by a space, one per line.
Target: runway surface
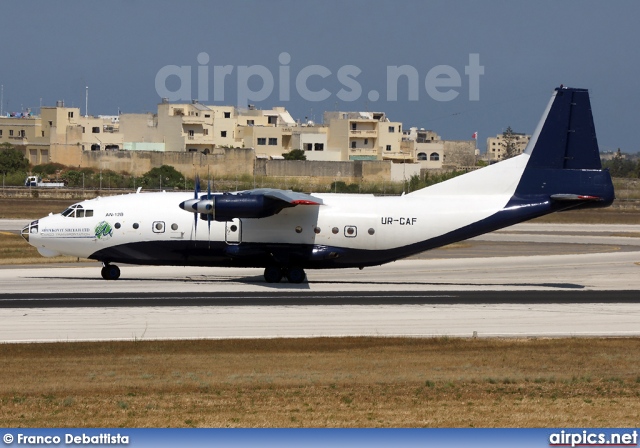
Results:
527 280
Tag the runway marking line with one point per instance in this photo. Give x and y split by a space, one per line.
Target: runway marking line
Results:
386 296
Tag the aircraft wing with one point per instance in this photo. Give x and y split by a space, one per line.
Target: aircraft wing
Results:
257 203
288 196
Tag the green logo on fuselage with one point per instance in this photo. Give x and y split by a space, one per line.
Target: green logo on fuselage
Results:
104 230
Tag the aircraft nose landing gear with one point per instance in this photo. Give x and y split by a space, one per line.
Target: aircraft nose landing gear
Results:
110 272
273 274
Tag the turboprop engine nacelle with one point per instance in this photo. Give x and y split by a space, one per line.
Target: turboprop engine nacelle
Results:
225 207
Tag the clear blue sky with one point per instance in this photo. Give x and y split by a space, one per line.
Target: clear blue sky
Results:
52 50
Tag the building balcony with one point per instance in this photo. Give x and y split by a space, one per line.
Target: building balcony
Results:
108 129
398 156
192 119
364 133
199 139
363 152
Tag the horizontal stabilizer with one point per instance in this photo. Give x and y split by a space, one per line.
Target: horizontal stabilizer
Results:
575 197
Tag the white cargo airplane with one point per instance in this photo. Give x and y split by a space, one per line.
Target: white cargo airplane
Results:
286 232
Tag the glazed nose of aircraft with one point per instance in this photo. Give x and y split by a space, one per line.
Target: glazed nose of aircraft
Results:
30 229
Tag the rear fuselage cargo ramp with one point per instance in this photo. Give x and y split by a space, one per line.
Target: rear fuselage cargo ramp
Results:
285 232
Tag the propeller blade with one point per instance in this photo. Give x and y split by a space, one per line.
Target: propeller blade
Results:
208 214
209 228
196 189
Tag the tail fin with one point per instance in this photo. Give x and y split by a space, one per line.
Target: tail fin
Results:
564 158
566 136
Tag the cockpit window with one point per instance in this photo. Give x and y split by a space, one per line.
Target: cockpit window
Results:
76 211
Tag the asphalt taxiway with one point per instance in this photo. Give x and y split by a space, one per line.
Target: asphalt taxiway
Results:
527 280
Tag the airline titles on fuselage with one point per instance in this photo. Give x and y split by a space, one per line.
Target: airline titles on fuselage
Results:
68 232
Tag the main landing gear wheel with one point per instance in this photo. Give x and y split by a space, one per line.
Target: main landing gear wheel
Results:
272 274
110 272
295 275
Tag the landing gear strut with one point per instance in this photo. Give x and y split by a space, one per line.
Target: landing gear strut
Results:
110 272
273 274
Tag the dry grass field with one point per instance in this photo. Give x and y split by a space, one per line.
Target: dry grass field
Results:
15 250
324 382
32 208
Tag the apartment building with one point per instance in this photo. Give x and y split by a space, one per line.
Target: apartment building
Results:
363 135
424 146
314 140
270 132
270 142
496 146
59 134
25 132
195 127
